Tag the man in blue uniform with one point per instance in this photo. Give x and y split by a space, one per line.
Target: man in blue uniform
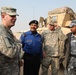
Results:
32 46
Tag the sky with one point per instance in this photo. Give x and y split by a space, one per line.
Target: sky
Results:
32 10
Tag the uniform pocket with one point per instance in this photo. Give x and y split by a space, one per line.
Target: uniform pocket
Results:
28 44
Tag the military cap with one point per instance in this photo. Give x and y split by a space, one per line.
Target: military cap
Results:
9 11
52 22
33 21
72 24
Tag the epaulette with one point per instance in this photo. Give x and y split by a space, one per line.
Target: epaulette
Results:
24 34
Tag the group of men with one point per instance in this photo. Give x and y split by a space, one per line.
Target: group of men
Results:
52 47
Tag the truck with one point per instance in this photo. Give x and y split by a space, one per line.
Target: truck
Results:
63 16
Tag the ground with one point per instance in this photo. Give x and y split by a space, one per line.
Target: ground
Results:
21 72
49 71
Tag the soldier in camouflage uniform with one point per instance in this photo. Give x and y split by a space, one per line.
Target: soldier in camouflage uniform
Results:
10 47
53 46
70 50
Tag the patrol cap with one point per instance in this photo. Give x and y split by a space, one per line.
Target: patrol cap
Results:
9 11
33 21
52 22
72 24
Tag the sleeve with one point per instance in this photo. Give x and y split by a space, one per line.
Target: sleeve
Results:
22 38
42 35
62 38
7 47
41 51
65 44
20 48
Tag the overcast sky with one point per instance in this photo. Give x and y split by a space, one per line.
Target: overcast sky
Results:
33 9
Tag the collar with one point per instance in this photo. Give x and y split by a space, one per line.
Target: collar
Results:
73 36
32 33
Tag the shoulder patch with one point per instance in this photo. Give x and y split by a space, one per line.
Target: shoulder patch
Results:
24 34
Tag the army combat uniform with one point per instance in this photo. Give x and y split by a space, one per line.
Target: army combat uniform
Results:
10 49
53 45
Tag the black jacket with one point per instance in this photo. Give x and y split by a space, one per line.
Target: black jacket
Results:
67 49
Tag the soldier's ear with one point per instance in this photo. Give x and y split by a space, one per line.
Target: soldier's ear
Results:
37 26
3 15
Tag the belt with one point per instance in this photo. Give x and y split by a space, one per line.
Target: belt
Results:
73 55
55 56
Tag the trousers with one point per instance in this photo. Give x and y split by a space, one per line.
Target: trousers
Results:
31 64
72 66
46 62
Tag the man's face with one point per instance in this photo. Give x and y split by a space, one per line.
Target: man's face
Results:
9 20
51 27
73 29
33 27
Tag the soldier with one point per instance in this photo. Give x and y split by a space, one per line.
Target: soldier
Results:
70 50
53 46
10 47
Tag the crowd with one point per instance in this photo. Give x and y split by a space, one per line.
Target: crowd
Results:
51 47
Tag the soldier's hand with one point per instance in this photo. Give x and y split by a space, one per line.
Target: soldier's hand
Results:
61 59
44 54
21 62
57 27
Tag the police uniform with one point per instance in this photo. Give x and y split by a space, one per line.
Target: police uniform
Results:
32 46
53 45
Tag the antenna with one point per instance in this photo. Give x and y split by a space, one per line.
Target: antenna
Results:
33 9
33 12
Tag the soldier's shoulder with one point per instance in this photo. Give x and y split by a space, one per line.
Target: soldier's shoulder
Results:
2 29
68 35
45 31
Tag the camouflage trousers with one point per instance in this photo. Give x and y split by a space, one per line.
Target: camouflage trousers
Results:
46 62
72 66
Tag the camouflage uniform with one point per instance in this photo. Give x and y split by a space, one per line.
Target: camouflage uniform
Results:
10 49
53 42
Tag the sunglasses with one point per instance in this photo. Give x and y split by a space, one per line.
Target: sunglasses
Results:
12 15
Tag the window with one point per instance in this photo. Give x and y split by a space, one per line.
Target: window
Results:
54 18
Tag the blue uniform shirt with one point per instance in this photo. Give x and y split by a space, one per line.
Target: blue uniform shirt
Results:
31 43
